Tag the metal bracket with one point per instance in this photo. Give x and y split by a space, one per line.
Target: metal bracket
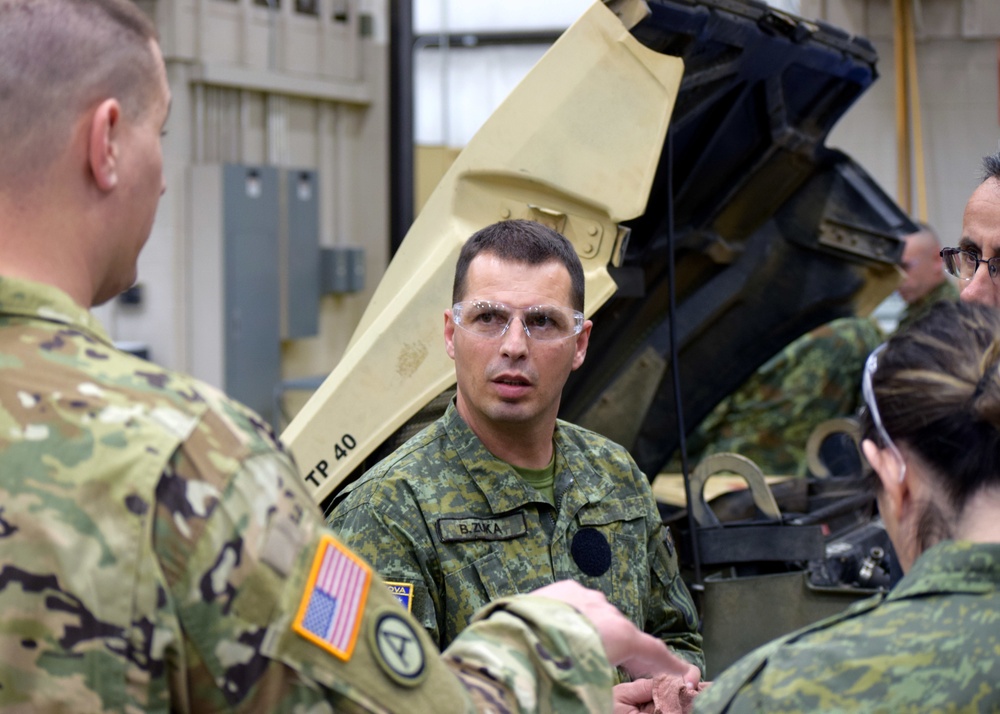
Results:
741 466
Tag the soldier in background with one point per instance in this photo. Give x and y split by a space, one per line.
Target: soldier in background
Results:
932 434
157 549
925 281
815 378
770 417
499 496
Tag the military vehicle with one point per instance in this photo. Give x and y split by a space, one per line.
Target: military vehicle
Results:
679 145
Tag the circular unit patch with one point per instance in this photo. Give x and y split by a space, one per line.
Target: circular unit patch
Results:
397 649
591 552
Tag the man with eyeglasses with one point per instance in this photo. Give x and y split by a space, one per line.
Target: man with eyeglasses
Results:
980 242
498 496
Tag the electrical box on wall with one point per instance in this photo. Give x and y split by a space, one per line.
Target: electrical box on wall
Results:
235 305
258 274
342 269
300 276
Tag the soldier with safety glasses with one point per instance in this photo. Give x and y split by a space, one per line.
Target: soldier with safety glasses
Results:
499 496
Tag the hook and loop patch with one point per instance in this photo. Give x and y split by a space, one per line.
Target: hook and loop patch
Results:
398 649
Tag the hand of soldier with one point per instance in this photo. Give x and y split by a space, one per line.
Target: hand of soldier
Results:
641 655
633 697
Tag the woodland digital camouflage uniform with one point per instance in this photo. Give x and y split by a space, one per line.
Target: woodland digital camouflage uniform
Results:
931 645
444 515
770 417
155 544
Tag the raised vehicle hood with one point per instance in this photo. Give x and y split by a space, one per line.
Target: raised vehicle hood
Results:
771 232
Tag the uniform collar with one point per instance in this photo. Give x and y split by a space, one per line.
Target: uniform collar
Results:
39 301
952 567
504 490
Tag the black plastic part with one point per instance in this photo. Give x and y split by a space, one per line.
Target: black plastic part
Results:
756 197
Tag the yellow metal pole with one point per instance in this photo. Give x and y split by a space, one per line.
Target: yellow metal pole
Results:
903 190
913 90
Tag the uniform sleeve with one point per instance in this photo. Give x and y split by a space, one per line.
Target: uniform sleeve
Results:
276 614
540 651
736 682
403 553
670 612
672 615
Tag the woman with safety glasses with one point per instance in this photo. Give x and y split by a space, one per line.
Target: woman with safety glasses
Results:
932 435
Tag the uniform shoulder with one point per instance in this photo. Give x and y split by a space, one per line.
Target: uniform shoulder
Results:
589 440
397 470
126 390
590 451
845 336
198 399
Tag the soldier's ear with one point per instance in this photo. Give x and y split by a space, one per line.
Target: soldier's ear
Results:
881 460
449 334
582 341
103 143
888 468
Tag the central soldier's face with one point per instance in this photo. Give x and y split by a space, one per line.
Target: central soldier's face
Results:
513 379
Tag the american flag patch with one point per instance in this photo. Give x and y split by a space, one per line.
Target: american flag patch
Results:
334 599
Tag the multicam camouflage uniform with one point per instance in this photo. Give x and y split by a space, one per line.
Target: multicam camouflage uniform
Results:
770 417
156 553
945 290
931 645
443 515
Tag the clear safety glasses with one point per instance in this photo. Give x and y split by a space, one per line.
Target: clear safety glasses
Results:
868 392
540 322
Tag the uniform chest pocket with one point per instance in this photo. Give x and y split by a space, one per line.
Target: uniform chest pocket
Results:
471 587
609 553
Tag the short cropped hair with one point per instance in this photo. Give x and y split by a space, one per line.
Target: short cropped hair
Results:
57 59
991 167
521 241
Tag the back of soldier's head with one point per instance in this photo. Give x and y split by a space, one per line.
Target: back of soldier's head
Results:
937 388
59 58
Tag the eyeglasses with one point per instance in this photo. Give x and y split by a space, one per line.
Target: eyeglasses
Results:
540 322
963 264
868 392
